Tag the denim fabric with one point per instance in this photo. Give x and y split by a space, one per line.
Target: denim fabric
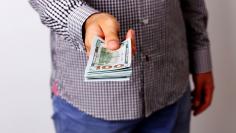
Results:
174 118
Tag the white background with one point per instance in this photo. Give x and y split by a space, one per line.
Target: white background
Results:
25 105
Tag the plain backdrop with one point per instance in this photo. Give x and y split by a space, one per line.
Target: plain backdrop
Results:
25 105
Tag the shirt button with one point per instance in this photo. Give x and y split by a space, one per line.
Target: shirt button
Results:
146 57
145 21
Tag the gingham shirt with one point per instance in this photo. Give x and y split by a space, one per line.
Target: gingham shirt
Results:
172 41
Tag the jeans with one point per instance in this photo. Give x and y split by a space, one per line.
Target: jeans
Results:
174 118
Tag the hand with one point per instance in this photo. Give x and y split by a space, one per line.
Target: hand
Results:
107 27
203 92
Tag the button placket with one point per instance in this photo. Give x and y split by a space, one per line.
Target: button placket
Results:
147 58
145 50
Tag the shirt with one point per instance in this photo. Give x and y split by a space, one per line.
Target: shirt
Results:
171 39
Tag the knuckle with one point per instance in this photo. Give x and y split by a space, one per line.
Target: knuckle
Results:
111 21
108 18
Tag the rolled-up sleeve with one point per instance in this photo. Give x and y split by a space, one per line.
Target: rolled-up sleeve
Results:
64 17
196 17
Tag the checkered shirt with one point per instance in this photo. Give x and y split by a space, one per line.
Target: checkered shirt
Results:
172 42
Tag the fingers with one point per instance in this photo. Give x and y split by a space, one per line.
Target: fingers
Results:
206 100
197 93
131 34
90 33
203 93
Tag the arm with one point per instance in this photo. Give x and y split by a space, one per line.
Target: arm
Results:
195 16
65 17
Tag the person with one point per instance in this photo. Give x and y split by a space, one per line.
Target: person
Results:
169 42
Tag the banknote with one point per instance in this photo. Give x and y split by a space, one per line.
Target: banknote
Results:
108 65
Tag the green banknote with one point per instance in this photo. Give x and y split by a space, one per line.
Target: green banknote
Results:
108 65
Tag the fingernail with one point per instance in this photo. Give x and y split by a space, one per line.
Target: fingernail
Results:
113 44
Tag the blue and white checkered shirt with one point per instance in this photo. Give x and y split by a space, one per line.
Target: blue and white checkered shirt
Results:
172 42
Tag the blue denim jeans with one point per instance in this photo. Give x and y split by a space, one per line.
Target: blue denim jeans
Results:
174 118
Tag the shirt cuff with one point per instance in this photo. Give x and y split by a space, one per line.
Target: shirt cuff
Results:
200 61
76 20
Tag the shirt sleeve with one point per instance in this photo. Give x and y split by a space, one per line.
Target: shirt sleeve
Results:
65 17
196 16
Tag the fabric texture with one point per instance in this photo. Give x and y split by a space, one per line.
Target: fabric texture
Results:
174 118
171 39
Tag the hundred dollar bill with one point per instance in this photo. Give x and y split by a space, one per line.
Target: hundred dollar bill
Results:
108 65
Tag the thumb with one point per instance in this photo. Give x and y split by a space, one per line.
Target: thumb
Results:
112 41
111 36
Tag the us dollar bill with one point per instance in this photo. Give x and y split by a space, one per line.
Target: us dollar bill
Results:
108 65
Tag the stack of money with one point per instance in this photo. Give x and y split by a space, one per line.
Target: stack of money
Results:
108 65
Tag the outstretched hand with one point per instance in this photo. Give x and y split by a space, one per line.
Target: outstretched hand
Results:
107 27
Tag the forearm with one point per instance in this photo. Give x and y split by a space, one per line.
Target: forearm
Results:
196 17
65 17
